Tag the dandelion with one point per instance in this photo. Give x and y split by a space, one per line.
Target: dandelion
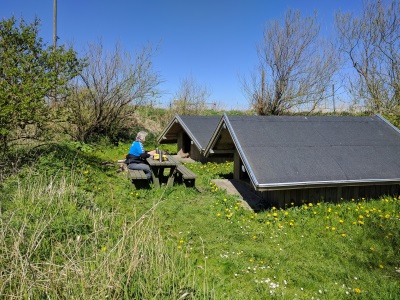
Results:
357 290
341 221
333 228
381 266
104 248
218 215
343 234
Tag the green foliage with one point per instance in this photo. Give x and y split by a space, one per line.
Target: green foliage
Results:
108 91
30 74
74 222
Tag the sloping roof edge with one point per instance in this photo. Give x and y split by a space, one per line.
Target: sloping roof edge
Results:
212 140
225 121
178 119
167 128
190 134
388 123
239 149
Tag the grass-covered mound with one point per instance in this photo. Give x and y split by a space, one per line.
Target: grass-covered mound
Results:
71 226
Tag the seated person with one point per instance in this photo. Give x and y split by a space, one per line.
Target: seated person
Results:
136 158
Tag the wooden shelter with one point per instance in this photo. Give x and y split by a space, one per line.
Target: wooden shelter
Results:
292 159
192 134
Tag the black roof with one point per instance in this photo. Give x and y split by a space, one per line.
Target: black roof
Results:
281 152
198 128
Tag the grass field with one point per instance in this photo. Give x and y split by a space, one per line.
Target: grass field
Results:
72 227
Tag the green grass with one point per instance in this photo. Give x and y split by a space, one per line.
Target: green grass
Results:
73 227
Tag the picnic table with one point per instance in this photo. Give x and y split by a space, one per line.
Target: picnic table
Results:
177 172
158 170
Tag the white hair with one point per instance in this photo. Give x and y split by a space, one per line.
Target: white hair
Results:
141 136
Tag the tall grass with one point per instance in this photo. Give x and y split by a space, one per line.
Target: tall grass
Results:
53 245
72 227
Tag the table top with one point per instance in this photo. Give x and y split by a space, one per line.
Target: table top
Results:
171 162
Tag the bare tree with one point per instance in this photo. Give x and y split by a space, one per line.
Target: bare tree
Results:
371 42
110 88
191 97
295 67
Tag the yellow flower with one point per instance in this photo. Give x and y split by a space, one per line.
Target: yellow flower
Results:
310 204
218 215
343 234
333 228
181 241
341 221
357 290
104 248
381 266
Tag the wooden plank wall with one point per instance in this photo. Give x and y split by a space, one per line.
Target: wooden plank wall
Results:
285 198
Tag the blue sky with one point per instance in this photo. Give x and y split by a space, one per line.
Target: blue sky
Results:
212 41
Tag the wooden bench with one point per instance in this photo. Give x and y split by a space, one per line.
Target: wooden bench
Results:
139 178
185 175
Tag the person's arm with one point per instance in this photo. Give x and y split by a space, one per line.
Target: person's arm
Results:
144 155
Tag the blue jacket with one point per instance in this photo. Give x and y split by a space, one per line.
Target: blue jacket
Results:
136 154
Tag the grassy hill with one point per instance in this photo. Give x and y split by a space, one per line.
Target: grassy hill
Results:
73 227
